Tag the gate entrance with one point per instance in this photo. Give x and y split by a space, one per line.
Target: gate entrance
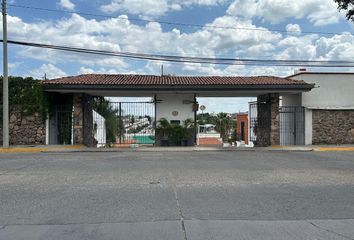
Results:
60 125
124 123
292 125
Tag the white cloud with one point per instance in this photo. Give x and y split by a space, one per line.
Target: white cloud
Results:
337 47
318 12
48 70
154 8
86 70
294 29
66 4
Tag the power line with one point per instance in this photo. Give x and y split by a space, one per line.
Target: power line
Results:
200 60
176 23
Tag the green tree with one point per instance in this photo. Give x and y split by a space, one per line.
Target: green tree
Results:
348 6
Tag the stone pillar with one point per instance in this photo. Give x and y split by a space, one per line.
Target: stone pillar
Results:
274 121
78 124
267 127
88 133
83 120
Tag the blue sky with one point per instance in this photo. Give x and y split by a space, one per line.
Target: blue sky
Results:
119 34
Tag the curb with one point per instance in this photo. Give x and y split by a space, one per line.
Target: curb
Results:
40 149
335 149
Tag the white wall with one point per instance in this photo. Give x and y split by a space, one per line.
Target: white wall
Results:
290 100
100 134
332 91
174 102
308 126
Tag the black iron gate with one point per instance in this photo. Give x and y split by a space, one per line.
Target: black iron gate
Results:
124 123
292 125
61 125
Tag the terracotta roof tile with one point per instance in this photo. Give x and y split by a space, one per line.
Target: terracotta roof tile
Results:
120 79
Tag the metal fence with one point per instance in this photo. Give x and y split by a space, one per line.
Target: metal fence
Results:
292 125
122 123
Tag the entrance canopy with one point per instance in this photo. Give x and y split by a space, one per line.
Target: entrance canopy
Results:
147 85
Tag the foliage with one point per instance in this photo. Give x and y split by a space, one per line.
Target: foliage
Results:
114 125
176 133
205 118
223 125
164 128
27 95
348 6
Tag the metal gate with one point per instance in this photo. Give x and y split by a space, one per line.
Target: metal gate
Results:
259 123
124 123
292 125
61 125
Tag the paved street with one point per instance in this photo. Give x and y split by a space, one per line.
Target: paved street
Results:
177 195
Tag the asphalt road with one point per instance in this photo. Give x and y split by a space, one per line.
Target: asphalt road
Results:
177 195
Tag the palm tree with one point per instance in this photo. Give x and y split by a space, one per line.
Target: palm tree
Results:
222 124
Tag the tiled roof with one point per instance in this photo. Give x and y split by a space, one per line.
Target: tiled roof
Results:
120 79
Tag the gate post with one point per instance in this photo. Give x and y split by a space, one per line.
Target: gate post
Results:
77 119
88 134
83 120
267 127
274 119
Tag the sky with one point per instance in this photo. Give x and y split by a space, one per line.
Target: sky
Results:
257 29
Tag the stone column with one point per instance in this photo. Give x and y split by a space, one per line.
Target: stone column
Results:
78 119
274 121
83 119
267 127
88 133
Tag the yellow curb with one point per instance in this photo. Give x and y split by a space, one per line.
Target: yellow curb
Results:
73 147
333 149
22 150
34 150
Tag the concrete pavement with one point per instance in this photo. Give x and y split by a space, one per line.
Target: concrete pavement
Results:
177 195
195 229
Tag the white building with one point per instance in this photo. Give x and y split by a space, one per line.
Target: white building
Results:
328 108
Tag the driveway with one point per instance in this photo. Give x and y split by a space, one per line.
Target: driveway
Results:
177 195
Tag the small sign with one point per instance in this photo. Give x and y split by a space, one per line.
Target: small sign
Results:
202 107
174 113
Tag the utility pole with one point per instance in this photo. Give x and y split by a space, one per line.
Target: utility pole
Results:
5 122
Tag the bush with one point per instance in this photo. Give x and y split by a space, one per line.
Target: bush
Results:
27 95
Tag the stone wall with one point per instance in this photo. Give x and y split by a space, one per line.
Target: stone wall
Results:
333 126
25 130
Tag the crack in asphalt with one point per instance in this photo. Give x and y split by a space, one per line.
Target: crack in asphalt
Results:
330 231
178 206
